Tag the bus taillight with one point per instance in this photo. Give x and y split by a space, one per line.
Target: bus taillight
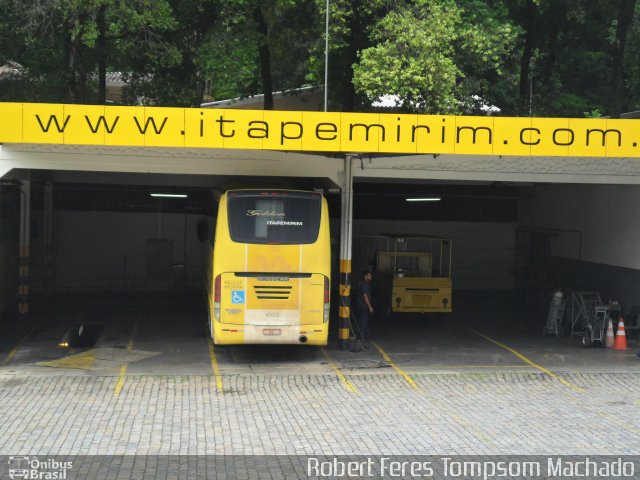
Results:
216 298
327 298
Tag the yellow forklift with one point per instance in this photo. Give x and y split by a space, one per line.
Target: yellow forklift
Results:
413 273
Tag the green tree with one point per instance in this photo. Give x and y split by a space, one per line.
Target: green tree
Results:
162 62
350 28
434 55
230 49
270 40
632 63
50 40
573 56
66 46
226 59
624 21
544 57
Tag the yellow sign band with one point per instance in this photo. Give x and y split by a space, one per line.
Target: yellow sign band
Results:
317 131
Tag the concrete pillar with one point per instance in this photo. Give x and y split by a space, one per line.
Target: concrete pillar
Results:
346 223
24 245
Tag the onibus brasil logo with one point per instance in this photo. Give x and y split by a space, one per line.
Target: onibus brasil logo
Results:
32 468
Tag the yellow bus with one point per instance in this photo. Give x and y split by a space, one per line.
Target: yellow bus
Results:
269 281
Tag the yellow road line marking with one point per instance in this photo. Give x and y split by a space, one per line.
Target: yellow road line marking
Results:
120 383
616 420
462 422
476 366
348 385
387 359
214 366
576 388
133 334
527 361
15 349
123 368
11 354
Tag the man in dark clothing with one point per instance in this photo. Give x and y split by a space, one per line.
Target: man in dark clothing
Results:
365 305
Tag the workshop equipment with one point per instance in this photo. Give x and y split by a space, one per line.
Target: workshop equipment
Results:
555 315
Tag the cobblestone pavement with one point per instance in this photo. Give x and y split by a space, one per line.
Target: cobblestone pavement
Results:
153 396
467 414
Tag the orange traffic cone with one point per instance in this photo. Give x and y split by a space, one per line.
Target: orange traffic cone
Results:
610 339
621 337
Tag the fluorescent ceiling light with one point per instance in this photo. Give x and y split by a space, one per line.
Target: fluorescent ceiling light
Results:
169 195
424 199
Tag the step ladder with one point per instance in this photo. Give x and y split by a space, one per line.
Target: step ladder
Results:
555 315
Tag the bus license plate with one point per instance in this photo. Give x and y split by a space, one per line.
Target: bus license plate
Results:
271 331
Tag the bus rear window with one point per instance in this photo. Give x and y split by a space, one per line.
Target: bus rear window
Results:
288 218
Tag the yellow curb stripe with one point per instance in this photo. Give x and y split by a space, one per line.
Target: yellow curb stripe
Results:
214 366
387 359
348 385
123 368
15 349
527 361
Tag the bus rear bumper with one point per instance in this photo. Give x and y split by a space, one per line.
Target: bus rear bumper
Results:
230 334
421 310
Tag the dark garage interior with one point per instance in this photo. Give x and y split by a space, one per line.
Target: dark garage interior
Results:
108 234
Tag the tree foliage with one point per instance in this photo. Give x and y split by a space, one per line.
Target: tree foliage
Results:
567 62
434 55
539 57
57 43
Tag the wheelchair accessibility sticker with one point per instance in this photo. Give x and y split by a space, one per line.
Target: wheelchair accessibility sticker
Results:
237 297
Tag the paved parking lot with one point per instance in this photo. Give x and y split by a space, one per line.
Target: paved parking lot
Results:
153 384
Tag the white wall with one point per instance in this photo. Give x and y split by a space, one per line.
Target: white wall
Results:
483 253
608 217
107 250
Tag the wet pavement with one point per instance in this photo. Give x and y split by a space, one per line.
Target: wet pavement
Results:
482 381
